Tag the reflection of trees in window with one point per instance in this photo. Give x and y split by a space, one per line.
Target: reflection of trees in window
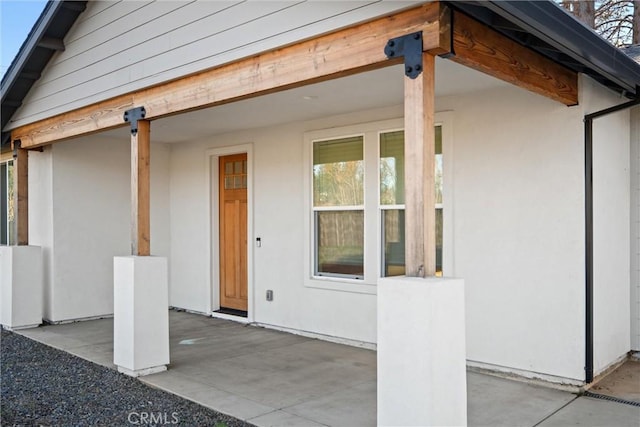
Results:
392 201
338 172
392 168
338 181
7 201
339 184
340 237
439 205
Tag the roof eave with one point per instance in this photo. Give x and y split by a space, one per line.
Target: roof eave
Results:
28 47
44 39
550 23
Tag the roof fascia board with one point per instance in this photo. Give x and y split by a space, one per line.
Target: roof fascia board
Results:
561 30
28 47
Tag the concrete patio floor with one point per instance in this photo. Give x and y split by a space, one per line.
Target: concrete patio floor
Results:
271 378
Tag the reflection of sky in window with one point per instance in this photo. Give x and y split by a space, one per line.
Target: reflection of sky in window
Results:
438 179
389 180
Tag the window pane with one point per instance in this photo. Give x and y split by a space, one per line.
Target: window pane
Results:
340 243
393 242
439 241
439 187
338 172
392 168
391 172
228 182
439 167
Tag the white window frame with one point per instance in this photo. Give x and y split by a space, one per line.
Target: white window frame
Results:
6 201
382 207
337 208
372 208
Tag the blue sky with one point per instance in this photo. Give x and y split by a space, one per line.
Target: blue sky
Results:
16 20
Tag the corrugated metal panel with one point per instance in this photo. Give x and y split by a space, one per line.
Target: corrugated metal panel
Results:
116 48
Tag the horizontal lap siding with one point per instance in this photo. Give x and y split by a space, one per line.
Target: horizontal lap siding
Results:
115 48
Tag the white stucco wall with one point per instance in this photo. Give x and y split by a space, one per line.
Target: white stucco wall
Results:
635 229
41 217
278 219
518 228
611 223
91 215
518 231
518 221
87 223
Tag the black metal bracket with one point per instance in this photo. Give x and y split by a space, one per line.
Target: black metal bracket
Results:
132 116
409 46
17 144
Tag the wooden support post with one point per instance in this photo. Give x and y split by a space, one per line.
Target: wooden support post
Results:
140 185
21 193
420 212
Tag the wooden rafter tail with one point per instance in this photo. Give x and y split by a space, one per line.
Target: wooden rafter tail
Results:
481 48
348 51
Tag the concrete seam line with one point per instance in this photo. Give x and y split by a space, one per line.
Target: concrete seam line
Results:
555 412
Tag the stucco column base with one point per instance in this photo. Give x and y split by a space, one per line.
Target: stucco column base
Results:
421 352
21 287
140 315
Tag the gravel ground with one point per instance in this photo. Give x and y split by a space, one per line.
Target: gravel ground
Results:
42 386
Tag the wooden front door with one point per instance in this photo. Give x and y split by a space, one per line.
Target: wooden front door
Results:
233 232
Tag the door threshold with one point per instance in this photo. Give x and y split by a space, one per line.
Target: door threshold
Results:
226 315
232 312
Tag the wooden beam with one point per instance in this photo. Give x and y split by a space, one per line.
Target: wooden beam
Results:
444 43
21 193
6 154
420 195
341 53
481 48
140 186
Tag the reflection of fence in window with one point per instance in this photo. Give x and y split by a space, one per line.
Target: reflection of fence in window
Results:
393 233
392 201
393 242
340 239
